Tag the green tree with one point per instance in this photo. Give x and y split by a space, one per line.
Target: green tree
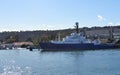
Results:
36 41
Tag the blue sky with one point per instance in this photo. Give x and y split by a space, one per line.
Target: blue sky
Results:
21 15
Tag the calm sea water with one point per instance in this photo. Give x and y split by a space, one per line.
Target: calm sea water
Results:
25 62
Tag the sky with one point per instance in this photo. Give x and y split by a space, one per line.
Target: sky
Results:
24 15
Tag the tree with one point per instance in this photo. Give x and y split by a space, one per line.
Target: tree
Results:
16 37
11 39
36 41
29 39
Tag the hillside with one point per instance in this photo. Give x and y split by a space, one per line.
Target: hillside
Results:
37 36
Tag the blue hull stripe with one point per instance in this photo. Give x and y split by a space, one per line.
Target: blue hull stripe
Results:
89 46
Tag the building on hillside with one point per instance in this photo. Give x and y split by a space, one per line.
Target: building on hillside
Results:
116 35
22 44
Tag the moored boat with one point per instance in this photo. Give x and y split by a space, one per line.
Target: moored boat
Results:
76 41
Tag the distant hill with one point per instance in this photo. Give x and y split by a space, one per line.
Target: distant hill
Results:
40 35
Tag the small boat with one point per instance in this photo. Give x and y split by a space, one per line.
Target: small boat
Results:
76 41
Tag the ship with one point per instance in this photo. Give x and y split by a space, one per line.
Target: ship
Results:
75 41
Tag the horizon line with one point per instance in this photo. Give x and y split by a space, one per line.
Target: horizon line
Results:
53 29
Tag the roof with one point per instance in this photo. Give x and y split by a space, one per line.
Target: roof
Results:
23 43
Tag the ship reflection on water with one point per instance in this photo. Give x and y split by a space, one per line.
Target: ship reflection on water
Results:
25 62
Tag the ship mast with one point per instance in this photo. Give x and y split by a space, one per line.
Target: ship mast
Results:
59 36
77 27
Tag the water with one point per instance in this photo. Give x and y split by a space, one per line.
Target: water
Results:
25 62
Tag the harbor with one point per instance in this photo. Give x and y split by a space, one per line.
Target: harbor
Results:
59 37
68 39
